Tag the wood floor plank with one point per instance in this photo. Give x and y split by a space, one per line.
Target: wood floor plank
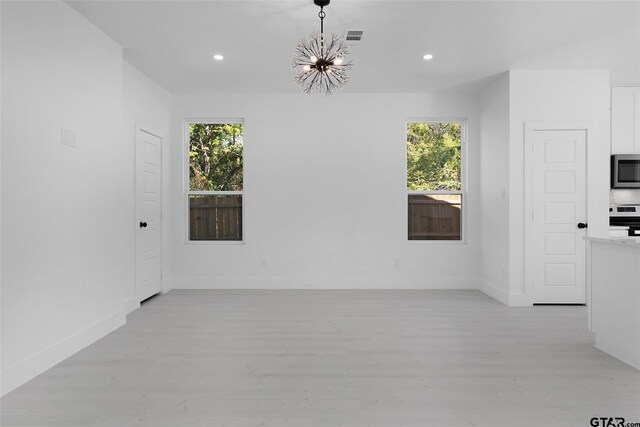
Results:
333 358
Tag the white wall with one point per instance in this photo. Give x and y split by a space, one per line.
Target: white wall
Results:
553 96
625 196
0 208
494 188
147 106
325 195
66 214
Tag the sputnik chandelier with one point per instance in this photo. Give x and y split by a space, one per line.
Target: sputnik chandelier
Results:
320 63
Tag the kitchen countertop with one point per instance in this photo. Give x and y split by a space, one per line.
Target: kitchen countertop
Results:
624 241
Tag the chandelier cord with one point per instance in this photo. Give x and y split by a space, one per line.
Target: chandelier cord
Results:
321 15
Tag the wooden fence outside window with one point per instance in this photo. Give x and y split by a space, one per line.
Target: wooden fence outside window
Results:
217 217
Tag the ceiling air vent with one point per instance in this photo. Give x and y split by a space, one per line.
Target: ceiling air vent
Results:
354 35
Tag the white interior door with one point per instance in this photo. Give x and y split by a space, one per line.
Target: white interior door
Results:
557 256
148 212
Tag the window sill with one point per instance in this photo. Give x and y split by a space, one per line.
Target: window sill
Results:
213 242
437 242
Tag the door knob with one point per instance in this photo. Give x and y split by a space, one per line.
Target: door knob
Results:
144 224
582 225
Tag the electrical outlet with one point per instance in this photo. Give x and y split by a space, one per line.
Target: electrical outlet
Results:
64 136
68 137
263 263
396 263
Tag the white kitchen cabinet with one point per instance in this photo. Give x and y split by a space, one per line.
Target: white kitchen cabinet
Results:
625 120
614 303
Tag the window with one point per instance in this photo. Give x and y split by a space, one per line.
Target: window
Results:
434 180
215 159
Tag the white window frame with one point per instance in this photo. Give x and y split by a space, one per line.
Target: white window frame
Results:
187 192
463 181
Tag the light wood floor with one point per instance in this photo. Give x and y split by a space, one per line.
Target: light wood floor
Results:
334 358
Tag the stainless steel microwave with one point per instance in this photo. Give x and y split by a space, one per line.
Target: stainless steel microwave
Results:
625 171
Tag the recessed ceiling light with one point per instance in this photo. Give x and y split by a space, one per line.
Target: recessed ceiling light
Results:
218 57
427 57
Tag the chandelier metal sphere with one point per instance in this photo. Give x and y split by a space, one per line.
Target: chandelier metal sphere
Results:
320 62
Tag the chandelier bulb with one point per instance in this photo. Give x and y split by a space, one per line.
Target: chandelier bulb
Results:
313 59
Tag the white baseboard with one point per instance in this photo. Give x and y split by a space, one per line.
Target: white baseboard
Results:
131 304
167 284
324 283
520 300
494 292
18 374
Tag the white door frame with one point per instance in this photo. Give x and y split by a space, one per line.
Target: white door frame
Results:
146 129
529 129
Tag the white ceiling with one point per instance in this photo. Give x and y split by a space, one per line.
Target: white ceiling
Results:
173 41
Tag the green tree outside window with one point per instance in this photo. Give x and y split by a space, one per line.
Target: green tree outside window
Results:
433 156
215 157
